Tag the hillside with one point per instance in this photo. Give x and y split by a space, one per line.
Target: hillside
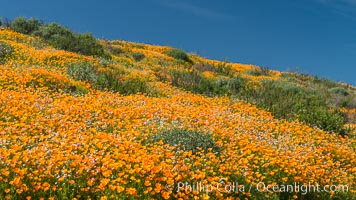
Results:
138 121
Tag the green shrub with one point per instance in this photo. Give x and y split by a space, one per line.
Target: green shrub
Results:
5 51
325 82
114 50
83 71
178 54
259 72
254 72
111 79
56 35
222 86
276 97
322 118
60 37
339 91
202 67
86 44
188 80
114 81
224 69
289 101
349 102
138 56
185 140
21 25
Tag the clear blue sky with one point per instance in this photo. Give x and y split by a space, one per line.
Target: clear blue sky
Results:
315 36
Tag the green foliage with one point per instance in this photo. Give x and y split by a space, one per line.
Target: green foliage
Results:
339 91
5 51
111 79
0 22
138 56
185 140
114 50
322 118
325 82
188 80
272 96
259 72
289 101
195 82
21 25
224 69
86 44
56 35
60 37
178 54
221 86
202 67
235 84
83 71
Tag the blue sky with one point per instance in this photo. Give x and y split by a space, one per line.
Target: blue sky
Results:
312 36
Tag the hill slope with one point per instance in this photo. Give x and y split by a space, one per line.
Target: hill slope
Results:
150 121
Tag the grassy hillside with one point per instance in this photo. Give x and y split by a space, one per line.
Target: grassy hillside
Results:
136 121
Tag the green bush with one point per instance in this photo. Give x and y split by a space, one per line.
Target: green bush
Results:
21 25
188 80
221 86
86 44
325 82
114 50
339 91
234 84
349 102
5 51
185 140
111 79
60 37
224 69
259 72
322 118
288 101
195 82
178 54
202 67
83 71
138 56
280 98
